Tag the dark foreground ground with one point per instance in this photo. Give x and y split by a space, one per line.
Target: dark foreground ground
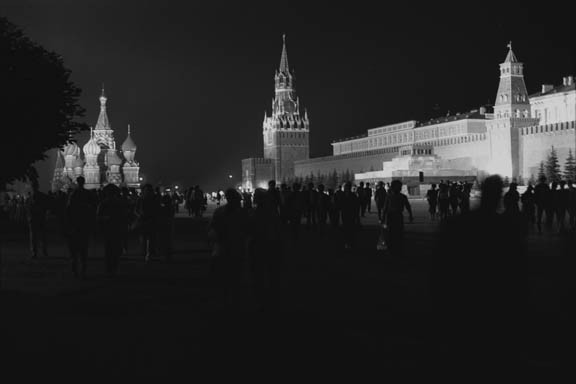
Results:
335 309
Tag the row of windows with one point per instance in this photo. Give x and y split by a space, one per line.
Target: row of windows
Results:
515 70
517 113
518 97
457 140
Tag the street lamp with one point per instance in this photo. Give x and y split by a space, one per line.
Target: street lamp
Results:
141 178
229 176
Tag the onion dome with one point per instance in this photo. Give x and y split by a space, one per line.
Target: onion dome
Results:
91 148
71 149
112 158
128 145
77 163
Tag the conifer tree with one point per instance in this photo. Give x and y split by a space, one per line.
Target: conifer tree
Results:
541 172
570 167
552 167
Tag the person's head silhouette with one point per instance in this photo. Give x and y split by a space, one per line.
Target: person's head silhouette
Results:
233 198
80 181
259 196
491 193
396 186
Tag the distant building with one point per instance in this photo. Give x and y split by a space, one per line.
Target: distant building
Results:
285 133
99 162
511 141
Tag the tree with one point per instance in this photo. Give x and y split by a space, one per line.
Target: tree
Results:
541 172
552 167
39 103
570 167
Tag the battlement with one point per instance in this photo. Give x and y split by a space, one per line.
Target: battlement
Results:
548 128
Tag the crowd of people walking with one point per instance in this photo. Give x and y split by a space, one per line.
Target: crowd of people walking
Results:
110 213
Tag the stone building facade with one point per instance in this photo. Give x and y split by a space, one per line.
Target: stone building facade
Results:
511 141
99 162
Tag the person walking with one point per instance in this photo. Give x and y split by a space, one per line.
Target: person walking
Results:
81 217
394 217
368 195
37 206
432 198
350 210
228 231
147 220
511 200
541 199
528 205
380 199
113 218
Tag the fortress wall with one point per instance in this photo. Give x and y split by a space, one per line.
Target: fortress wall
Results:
537 141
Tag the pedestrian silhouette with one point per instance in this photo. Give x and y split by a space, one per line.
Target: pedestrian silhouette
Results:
113 218
350 211
81 217
396 203
228 232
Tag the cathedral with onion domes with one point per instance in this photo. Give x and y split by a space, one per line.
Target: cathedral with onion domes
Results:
98 161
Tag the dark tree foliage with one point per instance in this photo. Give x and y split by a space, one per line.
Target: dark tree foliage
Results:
570 167
552 166
39 104
541 172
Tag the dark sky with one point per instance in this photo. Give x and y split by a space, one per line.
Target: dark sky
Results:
194 81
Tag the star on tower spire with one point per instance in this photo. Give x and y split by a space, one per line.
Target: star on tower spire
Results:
284 58
510 58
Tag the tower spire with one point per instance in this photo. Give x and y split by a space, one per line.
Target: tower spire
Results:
128 129
510 58
284 68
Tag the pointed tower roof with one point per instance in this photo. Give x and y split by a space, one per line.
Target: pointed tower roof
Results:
284 68
511 57
103 122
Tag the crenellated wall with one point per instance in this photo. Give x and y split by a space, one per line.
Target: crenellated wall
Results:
538 140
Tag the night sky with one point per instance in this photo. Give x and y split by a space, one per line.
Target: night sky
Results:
194 81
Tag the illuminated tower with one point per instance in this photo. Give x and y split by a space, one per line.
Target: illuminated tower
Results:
286 131
511 112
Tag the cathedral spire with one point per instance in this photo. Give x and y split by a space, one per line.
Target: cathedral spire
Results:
103 123
284 68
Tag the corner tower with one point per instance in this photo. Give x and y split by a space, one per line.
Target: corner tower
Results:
511 112
286 131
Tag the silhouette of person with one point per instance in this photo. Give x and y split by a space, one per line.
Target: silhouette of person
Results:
380 199
361 192
483 280
113 218
443 201
228 232
296 207
81 217
322 209
166 212
265 248
454 198
511 200
310 204
350 211
528 205
572 205
542 199
368 196
562 201
37 205
432 198
147 209
396 202
487 275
